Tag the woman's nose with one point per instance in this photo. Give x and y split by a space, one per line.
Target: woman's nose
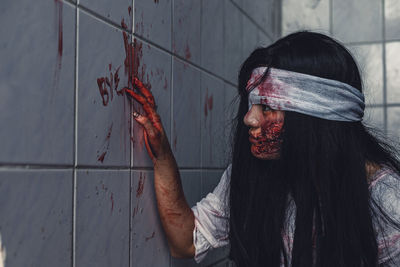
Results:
251 118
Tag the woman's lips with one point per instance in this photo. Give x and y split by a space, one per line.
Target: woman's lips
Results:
253 140
259 141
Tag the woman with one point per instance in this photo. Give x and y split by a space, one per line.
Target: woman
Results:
308 184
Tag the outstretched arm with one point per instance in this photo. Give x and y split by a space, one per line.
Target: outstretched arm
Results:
176 216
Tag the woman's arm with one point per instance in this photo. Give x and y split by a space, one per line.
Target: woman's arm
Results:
176 216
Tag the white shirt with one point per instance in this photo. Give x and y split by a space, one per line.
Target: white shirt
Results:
212 217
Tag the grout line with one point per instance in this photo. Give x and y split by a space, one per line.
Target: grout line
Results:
75 149
74 181
201 86
391 40
143 39
279 22
29 168
385 120
22 167
373 42
252 20
131 104
130 218
192 64
392 104
131 148
363 43
102 19
171 115
74 189
375 105
69 2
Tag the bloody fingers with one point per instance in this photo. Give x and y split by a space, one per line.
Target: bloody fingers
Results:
154 135
144 91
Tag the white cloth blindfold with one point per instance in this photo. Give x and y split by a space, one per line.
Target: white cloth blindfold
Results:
306 94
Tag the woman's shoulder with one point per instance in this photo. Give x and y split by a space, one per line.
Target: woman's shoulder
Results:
222 188
385 189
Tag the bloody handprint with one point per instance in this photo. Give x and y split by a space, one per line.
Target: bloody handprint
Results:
156 141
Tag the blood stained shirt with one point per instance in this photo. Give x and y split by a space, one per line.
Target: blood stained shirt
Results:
212 217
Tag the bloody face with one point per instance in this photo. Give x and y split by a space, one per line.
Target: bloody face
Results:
265 123
265 131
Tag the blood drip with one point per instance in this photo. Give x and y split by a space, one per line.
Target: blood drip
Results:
150 237
208 106
175 137
112 202
106 145
208 103
59 22
101 83
139 190
135 210
59 5
188 55
101 157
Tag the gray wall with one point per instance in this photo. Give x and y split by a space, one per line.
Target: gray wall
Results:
370 29
76 186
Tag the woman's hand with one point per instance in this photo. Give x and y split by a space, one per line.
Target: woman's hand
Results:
176 216
156 141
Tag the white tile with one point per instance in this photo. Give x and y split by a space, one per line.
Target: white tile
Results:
233 41
191 183
357 21
186 114
103 122
393 72
266 15
263 39
305 15
114 11
37 82
149 245
153 21
232 101
36 221
212 121
393 121
250 38
392 19
212 36
374 117
369 58
154 69
209 180
186 29
102 218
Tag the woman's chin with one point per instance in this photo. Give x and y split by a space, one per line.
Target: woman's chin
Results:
274 154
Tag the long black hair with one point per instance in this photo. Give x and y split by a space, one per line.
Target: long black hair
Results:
322 166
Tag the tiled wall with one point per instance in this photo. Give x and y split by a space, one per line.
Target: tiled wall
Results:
370 29
76 186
